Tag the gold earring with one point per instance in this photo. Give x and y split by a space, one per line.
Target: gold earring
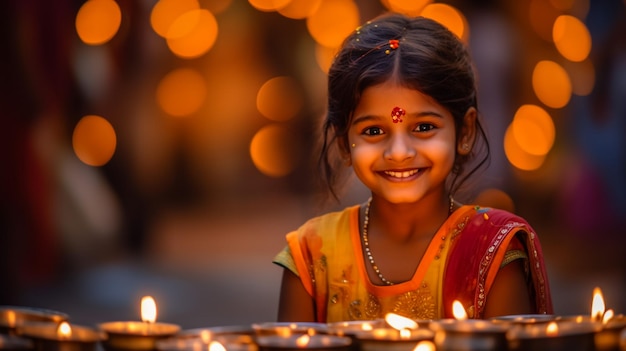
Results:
465 146
353 145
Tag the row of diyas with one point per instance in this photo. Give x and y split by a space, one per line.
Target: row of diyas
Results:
26 329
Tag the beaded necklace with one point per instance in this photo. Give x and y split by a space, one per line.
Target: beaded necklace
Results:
366 242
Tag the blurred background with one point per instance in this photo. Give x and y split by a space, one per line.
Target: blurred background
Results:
165 147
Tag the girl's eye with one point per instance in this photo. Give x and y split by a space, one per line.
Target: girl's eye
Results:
424 127
373 131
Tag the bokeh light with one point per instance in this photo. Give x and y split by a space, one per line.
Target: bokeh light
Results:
165 12
333 21
274 150
408 7
450 17
94 140
181 92
533 129
300 9
192 34
495 198
268 5
97 21
571 38
551 84
280 98
516 155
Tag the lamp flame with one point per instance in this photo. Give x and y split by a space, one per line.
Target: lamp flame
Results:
425 345
367 326
597 305
607 316
552 329
399 322
64 330
148 309
216 346
303 341
458 310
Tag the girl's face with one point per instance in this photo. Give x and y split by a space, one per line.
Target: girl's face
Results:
402 161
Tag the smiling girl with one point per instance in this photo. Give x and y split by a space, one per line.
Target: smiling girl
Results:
402 112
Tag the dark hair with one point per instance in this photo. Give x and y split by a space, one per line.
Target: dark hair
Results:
430 59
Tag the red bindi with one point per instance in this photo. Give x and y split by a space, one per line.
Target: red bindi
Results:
397 113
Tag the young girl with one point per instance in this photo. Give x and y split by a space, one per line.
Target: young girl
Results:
402 112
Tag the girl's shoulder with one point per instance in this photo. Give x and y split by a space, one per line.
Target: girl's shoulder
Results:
492 215
330 222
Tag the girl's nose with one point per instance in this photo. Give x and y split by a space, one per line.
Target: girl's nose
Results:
399 148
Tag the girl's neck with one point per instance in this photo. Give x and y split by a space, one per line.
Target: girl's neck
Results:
410 221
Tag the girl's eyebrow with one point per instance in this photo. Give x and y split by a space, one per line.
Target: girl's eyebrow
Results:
425 114
366 118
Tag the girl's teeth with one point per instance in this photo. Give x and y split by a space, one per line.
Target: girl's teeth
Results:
401 174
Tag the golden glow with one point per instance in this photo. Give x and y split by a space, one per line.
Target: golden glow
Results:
94 140
533 129
597 305
300 9
517 156
458 311
165 12
148 309
552 329
192 34
399 322
181 92
449 16
571 38
551 84
333 21
495 198
425 345
280 99
408 7
303 341
268 5
206 336
97 21
284 331
64 330
273 150
216 346
11 318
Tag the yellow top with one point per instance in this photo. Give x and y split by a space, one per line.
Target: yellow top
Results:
326 253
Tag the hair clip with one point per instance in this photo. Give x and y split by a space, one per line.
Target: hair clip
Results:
397 113
393 44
